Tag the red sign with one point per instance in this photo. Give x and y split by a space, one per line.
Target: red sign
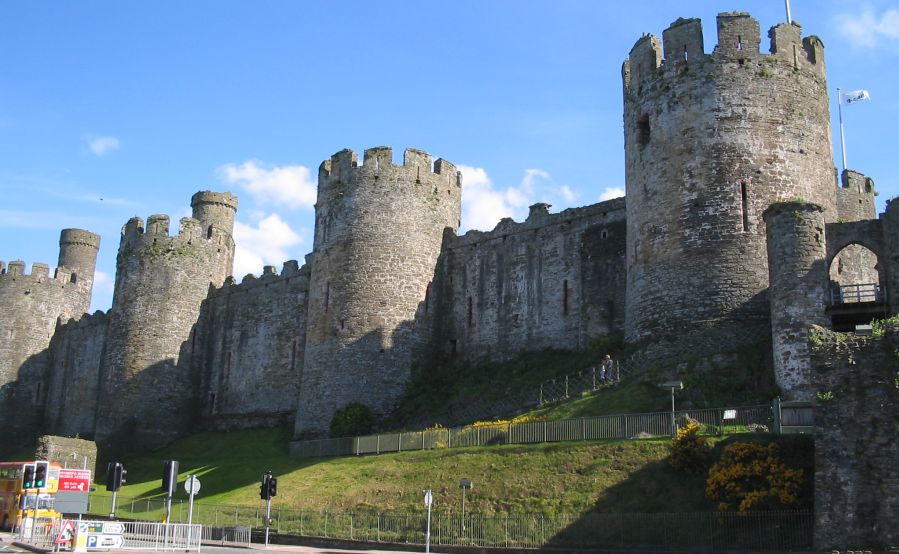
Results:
75 480
66 532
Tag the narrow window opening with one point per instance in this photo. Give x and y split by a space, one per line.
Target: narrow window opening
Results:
209 232
453 346
739 42
327 295
604 234
470 313
74 278
643 131
342 324
212 402
293 355
227 372
744 197
565 297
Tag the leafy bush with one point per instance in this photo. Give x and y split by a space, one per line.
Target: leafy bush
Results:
752 476
352 420
689 450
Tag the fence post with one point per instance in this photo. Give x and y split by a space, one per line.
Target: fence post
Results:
593 371
583 428
377 445
399 445
566 386
541 394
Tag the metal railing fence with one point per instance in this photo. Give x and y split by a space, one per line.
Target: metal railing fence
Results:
694 531
713 421
851 294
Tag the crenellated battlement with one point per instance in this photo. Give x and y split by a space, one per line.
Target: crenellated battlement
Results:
539 218
40 273
96 319
156 233
344 166
739 42
290 270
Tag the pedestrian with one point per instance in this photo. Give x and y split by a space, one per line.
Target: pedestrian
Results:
605 372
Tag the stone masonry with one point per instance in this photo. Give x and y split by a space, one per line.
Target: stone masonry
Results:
734 231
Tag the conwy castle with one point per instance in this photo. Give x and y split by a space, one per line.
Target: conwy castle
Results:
736 229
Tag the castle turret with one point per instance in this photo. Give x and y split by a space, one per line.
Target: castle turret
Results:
796 256
712 140
31 303
161 281
378 233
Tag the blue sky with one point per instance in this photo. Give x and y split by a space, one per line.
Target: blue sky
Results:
114 109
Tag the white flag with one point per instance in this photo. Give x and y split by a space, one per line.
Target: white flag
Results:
854 96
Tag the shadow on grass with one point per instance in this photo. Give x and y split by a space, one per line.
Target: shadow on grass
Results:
660 508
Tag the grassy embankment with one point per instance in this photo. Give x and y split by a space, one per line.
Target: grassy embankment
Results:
572 477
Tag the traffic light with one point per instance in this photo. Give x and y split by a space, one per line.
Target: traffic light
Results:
28 476
170 477
120 474
40 474
115 476
264 491
272 486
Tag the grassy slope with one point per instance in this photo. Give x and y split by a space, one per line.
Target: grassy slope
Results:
551 478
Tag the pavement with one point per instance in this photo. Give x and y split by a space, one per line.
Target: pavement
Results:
9 543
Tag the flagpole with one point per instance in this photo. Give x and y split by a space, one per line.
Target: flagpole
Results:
842 133
789 18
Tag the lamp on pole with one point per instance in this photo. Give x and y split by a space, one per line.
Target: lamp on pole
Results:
464 484
679 385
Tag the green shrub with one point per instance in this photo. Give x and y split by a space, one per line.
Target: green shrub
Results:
352 420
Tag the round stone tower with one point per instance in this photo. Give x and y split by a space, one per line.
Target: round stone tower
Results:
78 253
712 140
379 228
797 255
31 304
161 280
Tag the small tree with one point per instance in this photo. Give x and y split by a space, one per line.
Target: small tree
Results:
689 451
751 477
352 420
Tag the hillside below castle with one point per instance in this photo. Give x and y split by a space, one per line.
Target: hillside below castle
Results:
735 224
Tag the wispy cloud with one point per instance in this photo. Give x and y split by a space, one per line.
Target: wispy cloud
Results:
289 186
609 193
483 204
867 29
265 241
101 146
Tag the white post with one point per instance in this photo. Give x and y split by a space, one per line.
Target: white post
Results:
428 501
190 509
842 134
268 518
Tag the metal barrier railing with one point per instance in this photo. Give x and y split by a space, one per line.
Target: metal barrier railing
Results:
713 421
854 294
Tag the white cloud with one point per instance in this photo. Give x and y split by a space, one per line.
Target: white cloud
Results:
101 146
611 192
483 205
289 186
265 242
867 29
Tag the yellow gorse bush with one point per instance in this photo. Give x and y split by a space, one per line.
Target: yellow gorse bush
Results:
751 476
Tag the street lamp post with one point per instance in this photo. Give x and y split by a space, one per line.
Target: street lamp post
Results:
464 484
679 385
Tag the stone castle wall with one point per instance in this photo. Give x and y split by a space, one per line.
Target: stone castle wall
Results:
379 229
711 140
253 337
856 474
31 303
553 281
73 379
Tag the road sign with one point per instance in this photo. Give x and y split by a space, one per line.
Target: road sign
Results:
105 541
74 480
192 485
429 498
113 528
66 532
